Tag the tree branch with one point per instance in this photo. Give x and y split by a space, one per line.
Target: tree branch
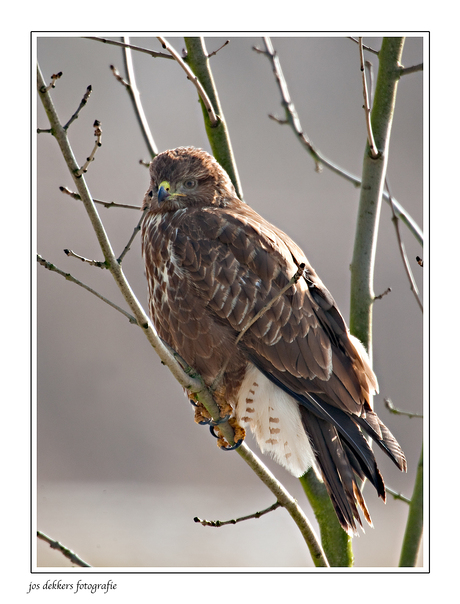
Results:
65 551
195 81
410 276
336 542
380 296
82 104
214 52
106 204
69 277
370 137
54 79
133 92
293 120
97 263
218 135
414 527
411 69
219 523
392 409
136 230
396 495
374 170
153 53
97 144
288 502
376 52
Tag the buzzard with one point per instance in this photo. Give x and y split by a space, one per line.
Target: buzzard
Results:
295 376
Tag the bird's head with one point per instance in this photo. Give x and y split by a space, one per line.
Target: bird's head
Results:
187 177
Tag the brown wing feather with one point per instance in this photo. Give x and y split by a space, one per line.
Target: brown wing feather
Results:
239 263
229 262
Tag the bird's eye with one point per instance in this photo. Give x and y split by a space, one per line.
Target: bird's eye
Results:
190 183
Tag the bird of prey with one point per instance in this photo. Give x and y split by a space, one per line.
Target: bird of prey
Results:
295 376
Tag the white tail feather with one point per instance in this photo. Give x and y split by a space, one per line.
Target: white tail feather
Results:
274 419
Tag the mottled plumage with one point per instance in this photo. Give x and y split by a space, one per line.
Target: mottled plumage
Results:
296 377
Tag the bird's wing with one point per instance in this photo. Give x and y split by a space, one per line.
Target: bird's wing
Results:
232 263
237 262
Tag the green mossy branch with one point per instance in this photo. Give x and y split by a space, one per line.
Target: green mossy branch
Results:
219 138
373 180
414 526
337 544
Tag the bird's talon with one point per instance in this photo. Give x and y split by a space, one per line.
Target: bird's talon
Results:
222 420
233 447
204 422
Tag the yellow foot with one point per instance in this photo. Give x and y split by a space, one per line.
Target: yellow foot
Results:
201 414
240 434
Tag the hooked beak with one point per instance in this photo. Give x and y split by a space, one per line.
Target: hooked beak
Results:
163 191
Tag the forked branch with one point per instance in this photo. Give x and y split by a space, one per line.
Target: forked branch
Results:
293 120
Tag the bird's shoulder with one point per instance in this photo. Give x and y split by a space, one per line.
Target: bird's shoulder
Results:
236 231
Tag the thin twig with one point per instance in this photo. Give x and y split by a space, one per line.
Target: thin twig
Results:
402 250
380 296
137 228
54 78
69 277
119 77
411 69
110 204
214 52
367 110
392 409
397 495
98 263
80 106
192 77
106 204
219 523
97 144
376 52
278 120
318 157
291 114
370 70
131 87
65 551
153 53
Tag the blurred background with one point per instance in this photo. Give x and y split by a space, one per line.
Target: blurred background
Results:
122 469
